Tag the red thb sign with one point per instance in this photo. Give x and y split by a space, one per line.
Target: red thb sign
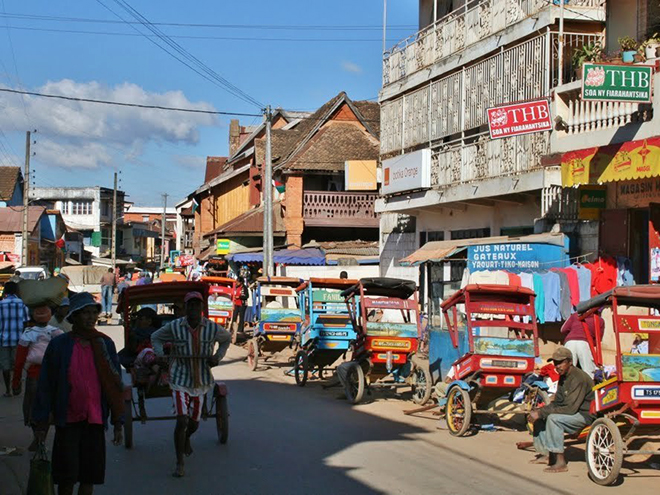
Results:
519 118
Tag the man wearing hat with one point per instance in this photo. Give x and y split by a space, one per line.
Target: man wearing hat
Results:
79 387
568 413
190 379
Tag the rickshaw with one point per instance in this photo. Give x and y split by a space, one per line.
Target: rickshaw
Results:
221 306
137 392
384 315
276 309
327 333
627 403
493 330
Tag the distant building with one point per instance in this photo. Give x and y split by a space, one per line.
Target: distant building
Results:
141 238
87 210
11 186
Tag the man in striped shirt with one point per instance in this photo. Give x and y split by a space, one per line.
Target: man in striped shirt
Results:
193 338
13 316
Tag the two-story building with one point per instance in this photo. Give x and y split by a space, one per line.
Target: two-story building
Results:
444 178
87 210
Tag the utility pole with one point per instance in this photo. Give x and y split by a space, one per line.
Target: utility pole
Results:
268 201
162 232
113 251
26 194
560 75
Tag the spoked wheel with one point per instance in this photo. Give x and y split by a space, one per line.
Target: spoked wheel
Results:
128 424
301 368
253 354
321 374
534 399
421 384
458 411
222 418
604 451
355 383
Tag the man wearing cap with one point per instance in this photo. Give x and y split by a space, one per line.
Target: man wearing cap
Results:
190 379
79 388
568 413
59 316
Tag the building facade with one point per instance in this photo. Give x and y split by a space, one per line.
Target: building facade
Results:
87 210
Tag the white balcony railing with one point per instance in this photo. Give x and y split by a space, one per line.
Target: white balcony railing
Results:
475 21
445 108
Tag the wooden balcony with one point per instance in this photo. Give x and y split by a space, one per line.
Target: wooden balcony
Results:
339 209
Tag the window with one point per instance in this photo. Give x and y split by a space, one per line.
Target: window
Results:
105 237
516 231
81 207
105 208
430 236
470 233
145 218
65 207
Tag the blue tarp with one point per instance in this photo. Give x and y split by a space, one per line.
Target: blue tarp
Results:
309 256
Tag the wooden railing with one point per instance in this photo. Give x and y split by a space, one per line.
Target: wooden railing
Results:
465 26
339 209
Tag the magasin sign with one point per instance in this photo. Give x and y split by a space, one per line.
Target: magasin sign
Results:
630 83
516 257
519 118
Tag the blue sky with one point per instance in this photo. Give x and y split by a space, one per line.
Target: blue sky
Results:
83 144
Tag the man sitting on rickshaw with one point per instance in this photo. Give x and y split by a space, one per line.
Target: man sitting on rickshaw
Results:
569 413
192 337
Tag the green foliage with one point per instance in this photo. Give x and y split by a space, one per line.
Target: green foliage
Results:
592 52
628 44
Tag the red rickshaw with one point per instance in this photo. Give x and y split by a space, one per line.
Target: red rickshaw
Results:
220 301
627 402
497 339
167 300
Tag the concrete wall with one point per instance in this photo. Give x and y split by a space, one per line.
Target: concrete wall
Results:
621 21
304 272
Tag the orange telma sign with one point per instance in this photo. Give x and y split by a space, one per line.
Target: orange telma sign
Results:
617 162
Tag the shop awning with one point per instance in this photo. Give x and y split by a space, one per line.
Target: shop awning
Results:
437 251
616 162
308 256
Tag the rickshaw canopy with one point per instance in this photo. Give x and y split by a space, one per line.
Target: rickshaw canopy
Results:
327 283
636 295
384 287
290 281
163 293
502 293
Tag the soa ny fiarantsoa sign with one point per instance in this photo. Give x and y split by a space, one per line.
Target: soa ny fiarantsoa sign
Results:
516 257
629 83
519 118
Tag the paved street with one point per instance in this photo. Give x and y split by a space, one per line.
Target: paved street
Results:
288 440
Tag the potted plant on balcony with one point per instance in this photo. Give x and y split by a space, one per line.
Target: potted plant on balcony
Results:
592 52
628 49
649 49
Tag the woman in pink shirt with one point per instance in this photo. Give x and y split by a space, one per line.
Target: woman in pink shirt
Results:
80 386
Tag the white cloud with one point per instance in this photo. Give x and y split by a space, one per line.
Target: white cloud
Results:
191 161
76 134
351 67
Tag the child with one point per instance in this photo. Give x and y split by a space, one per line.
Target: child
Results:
29 355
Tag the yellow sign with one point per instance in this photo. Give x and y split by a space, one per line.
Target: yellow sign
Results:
360 175
627 161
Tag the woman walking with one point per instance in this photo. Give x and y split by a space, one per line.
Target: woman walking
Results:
80 386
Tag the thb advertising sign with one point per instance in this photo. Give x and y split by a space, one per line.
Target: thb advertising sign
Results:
519 118
630 83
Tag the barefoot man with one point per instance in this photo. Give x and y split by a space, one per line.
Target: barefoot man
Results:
190 379
568 413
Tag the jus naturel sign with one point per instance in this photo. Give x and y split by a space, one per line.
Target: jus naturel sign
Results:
519 118
631 83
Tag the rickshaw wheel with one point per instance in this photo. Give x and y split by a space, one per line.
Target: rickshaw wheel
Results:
534 398
604 452
301 368
128 424
253 354
355 385
421 385
458 411
222 418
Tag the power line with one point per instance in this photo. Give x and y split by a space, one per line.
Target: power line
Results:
124 104
206 71
194 37
292 27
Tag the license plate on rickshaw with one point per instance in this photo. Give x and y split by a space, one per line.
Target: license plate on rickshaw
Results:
646 392
279 327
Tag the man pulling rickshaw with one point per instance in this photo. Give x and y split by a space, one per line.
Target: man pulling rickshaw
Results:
193 338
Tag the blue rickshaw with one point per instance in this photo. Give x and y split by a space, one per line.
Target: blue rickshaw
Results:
327 332
276 308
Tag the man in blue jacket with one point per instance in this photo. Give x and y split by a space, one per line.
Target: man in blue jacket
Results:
80 386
